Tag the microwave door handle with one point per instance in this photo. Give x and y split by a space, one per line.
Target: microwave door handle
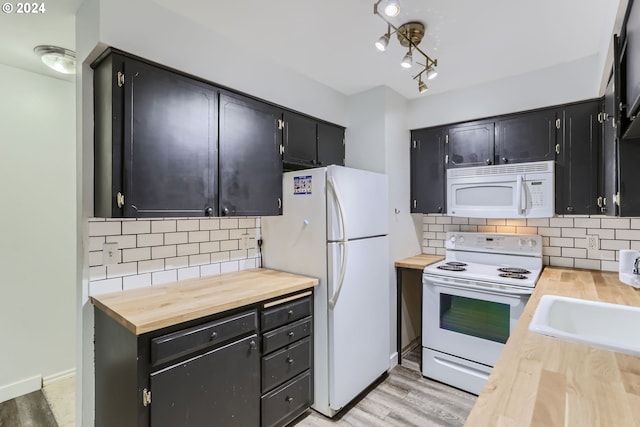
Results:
521 195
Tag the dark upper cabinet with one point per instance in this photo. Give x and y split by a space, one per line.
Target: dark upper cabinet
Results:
299 140
155 141
608 166
471 144
331 150
250 160
577 160
526 137
428 170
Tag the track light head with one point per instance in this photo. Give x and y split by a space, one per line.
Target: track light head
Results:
382 42
422 87
392 8
431 73
407 61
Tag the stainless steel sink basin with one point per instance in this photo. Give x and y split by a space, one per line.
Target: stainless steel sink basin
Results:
609 326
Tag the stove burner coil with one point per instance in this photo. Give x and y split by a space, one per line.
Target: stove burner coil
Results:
514 270
451 268
513 275
456 264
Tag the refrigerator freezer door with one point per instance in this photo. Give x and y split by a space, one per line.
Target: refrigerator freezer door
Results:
359 322
365 201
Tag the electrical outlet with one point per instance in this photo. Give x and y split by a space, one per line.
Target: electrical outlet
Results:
110 253
593 243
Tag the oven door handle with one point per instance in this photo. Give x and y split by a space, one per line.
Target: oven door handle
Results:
455 284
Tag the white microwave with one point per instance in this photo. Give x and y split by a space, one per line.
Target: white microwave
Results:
521 190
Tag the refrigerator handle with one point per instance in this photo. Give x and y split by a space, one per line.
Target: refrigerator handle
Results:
342 243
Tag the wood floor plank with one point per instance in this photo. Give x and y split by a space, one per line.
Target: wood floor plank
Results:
30 410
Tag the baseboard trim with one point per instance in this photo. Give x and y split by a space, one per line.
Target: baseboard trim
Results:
393 360
28 385
58 376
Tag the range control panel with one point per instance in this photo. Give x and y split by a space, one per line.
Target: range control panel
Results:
497 243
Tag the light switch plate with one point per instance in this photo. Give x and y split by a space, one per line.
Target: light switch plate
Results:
110 253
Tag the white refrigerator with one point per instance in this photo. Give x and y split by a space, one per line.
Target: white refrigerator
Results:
334 227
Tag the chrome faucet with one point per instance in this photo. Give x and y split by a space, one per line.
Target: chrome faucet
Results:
636 266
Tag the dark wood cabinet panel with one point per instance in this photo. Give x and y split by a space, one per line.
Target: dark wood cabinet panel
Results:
331 150
428 170
608 168
471 144
299 140
577 162
527 137
250 159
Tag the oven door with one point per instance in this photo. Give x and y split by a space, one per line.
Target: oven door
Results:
468 320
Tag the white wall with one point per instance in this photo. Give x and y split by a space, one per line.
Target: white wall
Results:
37 248
572 81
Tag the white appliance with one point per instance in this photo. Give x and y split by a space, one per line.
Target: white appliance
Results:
472 301
334 227
521 190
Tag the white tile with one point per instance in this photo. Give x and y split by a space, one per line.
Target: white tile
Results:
219 256
178 262
428 219
175 238
201 259
627 234
229 245
209 247
538 222
97 273
517 222
138 254
99 287
124 269
247 264
615 244
545 260
188 249
251 243
496 221
436 243
617 223
553 232
574 253
163 226
209 270
164 277
138 281
440 251
252 253
247 223
486 228
104 228
527 230
428 235
552 251
505 229
603 233
428 250
219 235
587 222
188 225
95 258
188 273
436 227
451 227
198 236
459 220
150 240
610 266
238 254
590 264
237 233
136 227
561 222
477 221
635 245
229 267
227 223
574 232
150 266
210 224
580 243
164 251
562 242
561 262
95 243
124 242
443 220
607 255
635 223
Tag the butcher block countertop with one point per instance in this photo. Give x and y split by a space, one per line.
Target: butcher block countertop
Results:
418 262
148 309
543 381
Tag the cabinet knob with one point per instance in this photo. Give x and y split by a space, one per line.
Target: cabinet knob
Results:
225 211
291 334
289 399
289 360
214 335
569 208
290 313
208 211
505 160
439 209
488 161
252 345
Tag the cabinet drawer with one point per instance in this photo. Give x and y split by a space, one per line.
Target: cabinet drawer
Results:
285 313
285 403
181 343
285 335
285 364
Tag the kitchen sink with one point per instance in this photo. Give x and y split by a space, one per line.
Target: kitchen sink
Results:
598 324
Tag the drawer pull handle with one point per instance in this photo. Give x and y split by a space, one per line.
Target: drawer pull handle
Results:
214 335
289 399
290 313
291 334
289 360
252 345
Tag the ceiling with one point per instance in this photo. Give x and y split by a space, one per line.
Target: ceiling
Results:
331 41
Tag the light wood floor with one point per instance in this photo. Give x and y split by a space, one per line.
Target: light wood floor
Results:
402 398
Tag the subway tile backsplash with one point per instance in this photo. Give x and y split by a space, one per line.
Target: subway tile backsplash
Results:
156 251
564 237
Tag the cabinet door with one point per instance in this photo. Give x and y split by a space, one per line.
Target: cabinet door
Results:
471 144
577 163
300 140
250 160
330 145
427 170
170 141
609 156
528 137
221 387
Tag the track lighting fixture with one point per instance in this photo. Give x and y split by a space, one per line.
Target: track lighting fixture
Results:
409 35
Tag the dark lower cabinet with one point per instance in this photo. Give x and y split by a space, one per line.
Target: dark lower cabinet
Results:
250 157
228 369
428 170
526 137
471 144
